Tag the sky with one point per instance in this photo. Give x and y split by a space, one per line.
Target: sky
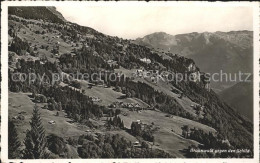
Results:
131 22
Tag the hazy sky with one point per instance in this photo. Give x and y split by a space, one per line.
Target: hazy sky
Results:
131 22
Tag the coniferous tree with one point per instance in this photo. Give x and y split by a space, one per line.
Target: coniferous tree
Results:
122 124
35 141
13 141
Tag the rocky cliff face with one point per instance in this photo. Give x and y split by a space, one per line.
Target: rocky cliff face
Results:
227 51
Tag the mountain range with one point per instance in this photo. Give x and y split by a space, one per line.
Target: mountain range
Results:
229 52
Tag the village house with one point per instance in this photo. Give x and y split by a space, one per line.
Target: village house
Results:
95 53
29 59
225 141
195 76
207 86
112 63
191 67
72 54
154 79
142 125
137 144
99 82
95 99
146 60
140 72
186 131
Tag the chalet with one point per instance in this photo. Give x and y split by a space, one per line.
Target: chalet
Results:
139 70
40 98
191 67
164 74
202 108
186 133
154 79
180 95
95 53
12 57
19 117
207 86
99 83
146 60
112 106
29 59
225 141
51 122
119 74
155 72
129 105
81 40
95 99
195 76
86 45
112 63
137 144
137 105
169 115
147 73
119 46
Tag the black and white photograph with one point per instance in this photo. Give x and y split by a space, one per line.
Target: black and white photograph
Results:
130 81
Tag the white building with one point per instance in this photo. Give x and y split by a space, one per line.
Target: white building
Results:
146 60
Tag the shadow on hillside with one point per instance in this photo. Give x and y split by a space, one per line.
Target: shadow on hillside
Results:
122 97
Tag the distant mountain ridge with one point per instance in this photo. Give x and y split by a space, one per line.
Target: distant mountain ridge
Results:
189 41
227 51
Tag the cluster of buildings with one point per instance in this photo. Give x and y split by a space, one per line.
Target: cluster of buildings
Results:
143 126
95 99
124 105
142 73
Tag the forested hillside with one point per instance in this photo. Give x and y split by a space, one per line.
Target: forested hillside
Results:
112 112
